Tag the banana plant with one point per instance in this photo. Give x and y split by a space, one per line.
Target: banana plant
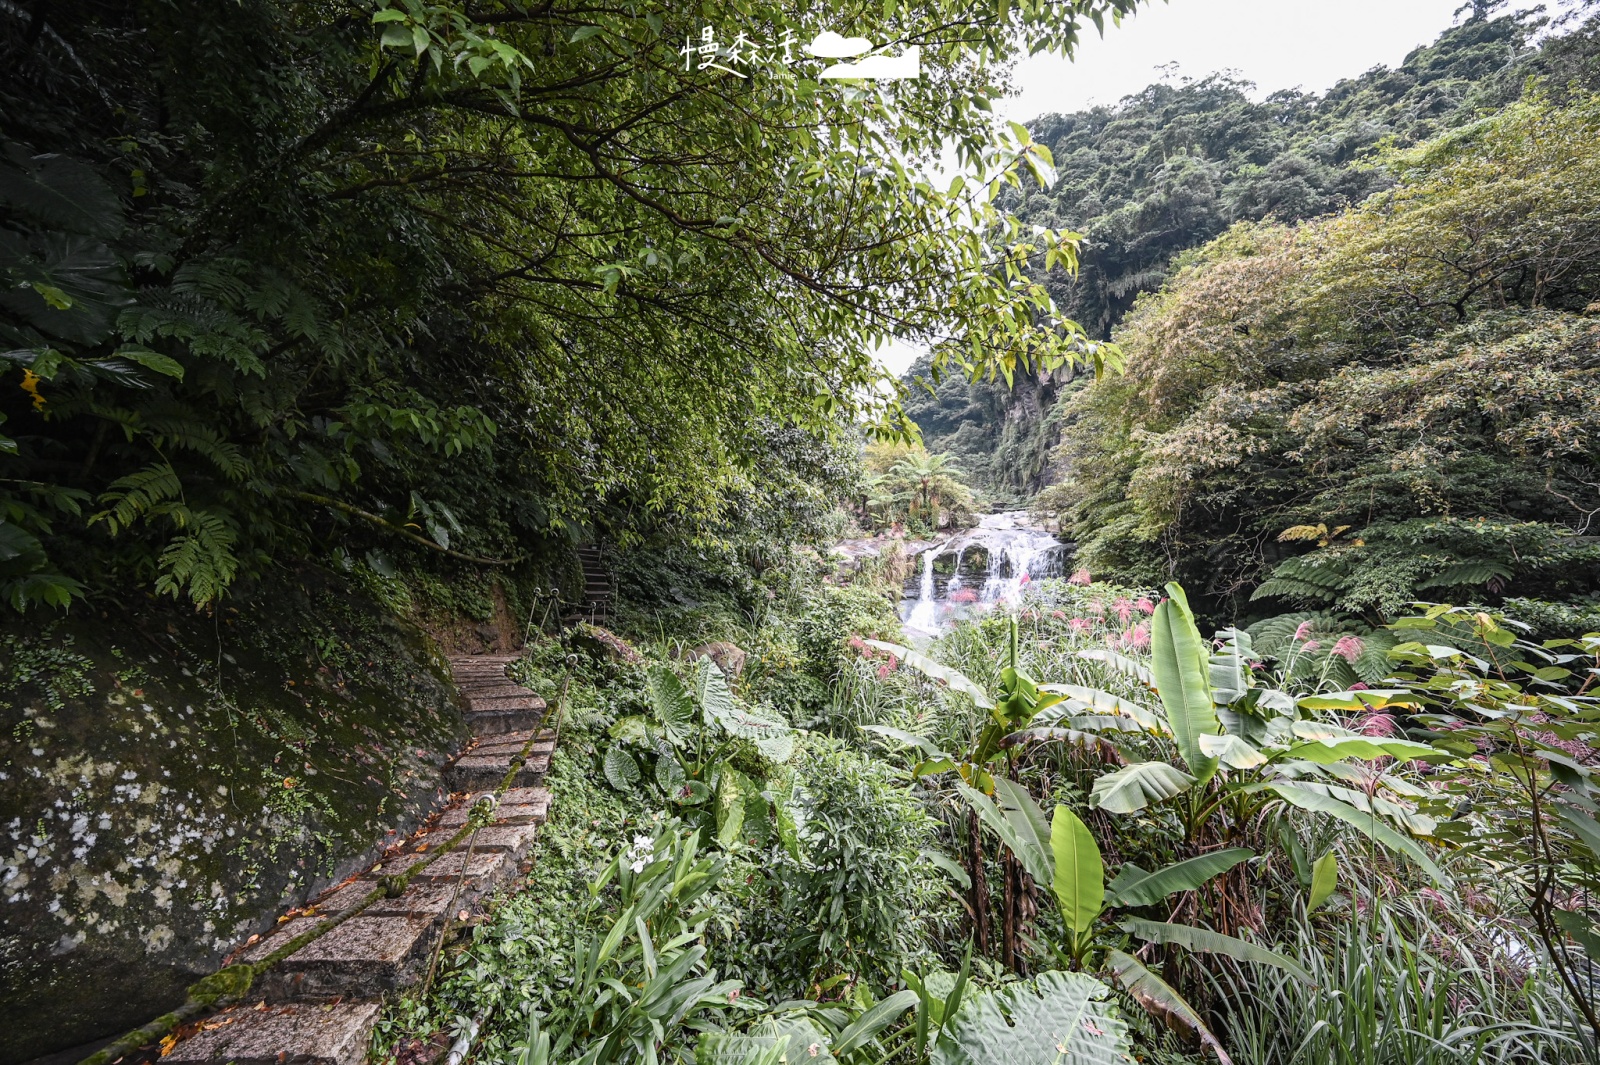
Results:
687 743
1009 719
1088 904
1241 748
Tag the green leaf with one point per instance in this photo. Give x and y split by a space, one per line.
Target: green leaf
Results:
1133 787
936 671
1232 751
866 1027
673 703
1324 878
1181 666
1581 929
1135 887
1058 1018
1206 941
1029 827
1161 1001
621 771
949 866
1121 663
1329 751
1084 700
910 739
690 793
1079 880
733 789
1370 825
1587 829
583 33
1374 699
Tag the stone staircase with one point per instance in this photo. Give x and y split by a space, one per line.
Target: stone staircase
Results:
317 1006
598 590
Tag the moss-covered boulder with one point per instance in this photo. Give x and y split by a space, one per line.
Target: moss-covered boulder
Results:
171 781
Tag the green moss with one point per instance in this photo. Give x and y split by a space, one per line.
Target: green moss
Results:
169 782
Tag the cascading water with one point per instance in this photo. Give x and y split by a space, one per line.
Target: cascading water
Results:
924 616
1011 553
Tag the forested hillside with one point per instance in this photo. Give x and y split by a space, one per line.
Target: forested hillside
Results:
1409 389
1171 167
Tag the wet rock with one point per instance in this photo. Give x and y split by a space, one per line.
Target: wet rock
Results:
602 644
728 657
171 782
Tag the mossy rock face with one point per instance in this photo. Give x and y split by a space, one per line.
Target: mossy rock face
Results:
170 782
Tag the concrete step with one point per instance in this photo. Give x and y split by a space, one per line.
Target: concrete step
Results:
518 806
361 960
476 771
281 1035
504 721
489 688
512 700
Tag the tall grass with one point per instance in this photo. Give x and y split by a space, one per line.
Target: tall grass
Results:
1397 986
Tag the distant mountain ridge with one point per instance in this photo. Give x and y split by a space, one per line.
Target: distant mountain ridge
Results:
1171 167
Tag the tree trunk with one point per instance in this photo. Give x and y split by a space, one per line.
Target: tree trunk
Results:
1008 926
980 887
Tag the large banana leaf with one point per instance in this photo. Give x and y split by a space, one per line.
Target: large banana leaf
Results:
1208 942
1099 745
1160 1000
1133 787
1079 883
1057 1018
1135 887
1233 752
1086 700
1328 751
1020 843
1370 824
1030 827
1181 668
1128 667
1371 699
910 739
936 671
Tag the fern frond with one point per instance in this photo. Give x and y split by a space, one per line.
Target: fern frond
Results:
138 495
1466 573
200 563
190 435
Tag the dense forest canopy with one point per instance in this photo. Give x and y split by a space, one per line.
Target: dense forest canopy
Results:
1409 388
283 276
1173 166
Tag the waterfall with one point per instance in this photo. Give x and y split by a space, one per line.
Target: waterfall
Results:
1018 554
925 614
1020 559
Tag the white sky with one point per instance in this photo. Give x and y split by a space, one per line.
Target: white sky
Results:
1278 44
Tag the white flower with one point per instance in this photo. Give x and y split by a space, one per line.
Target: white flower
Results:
637 866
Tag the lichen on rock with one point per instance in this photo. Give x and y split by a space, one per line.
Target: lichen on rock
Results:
170 782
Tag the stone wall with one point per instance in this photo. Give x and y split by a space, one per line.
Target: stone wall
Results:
170 782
